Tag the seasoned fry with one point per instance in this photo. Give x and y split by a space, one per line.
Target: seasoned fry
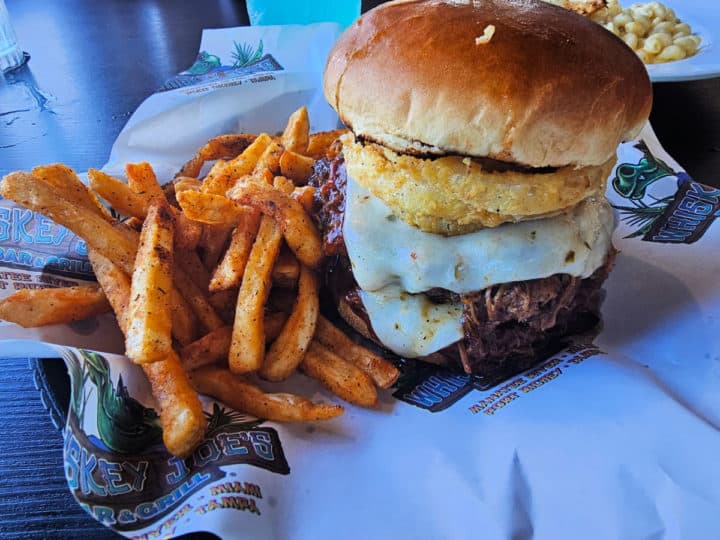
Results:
115 284
185 183
191 264
210 349
210 208
247 347
295 137
39 197
212 242
221 147
118 194
270 159
64 178
297 227
339 376
283 184
184 321
243 396
286 270
380 370
220 180
222 267
213 348
305 196
320 143
148 337
31 308
296 166
286 353
229 272
224 304
198 300
181 414
142 180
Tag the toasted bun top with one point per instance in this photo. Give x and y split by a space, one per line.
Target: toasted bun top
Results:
549 88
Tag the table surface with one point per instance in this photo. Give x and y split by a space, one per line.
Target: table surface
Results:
92 64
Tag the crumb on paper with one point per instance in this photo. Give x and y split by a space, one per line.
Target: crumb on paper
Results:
488 33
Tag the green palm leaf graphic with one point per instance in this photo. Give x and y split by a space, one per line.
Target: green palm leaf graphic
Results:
244 54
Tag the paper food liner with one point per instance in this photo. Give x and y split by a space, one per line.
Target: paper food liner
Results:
613 440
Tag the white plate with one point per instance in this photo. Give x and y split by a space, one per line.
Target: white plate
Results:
703 16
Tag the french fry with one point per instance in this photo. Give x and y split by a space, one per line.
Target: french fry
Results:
115 284
148 337
185 183
142 180
212 348
220 180
296 166
286 270
184 321
197 300
212 242
134 223
210 208
295 137
287 351
229 272
191 264
305 195
224 304
247 347
270 159
382 372
297 227
339 376
283 184
39 197
320 143
31 308
244 396
221 147
64 178
181 414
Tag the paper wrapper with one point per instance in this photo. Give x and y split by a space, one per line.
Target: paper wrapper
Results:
614 440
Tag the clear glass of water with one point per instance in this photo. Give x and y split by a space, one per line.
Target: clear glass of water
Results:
10 54
264 12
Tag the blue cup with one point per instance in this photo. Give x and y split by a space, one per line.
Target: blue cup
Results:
268 12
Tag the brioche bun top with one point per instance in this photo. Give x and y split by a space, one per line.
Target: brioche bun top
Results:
549 87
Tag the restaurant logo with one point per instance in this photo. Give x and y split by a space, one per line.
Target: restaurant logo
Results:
208 68
121 474
680 218
35 243
435 389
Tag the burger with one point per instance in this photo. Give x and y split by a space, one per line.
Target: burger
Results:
464 216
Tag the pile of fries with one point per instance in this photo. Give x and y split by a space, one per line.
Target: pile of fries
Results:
212 280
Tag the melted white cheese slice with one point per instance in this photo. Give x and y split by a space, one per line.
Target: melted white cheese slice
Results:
410 324
384 250
391 258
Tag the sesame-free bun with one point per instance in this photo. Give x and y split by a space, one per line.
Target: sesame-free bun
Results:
549 88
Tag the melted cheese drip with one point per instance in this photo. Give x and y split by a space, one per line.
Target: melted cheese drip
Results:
391 258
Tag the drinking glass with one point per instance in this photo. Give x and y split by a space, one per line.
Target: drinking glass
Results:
10 54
